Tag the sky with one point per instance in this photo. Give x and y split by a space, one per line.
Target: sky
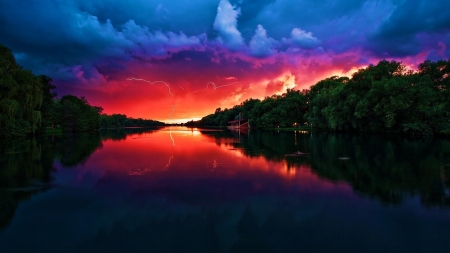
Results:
175 60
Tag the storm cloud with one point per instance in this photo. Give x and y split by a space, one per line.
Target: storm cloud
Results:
93 46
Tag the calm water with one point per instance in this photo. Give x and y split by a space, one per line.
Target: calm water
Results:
193 190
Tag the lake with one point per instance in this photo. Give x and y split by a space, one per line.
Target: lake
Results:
179 189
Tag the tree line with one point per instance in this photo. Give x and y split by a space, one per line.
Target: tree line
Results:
29 105
121 120
382 98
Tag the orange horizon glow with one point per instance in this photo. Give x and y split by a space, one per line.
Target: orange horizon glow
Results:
191 102
178 92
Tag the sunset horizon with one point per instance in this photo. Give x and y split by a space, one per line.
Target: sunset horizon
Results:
181 61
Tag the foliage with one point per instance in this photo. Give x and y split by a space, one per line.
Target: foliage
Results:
278 110
21 96
76 115
121 120
384 98
28 105
49 109
380 98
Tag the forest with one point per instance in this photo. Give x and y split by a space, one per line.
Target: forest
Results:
29 105
382 98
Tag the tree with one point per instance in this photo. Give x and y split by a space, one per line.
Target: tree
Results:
20 97
49 106
77 115
322 99
438 74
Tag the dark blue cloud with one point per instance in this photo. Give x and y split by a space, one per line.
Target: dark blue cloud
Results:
279 17
65 38
400 35
72 30
191 17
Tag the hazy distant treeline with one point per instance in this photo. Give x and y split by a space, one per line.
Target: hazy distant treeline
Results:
28 105
381 98
121 120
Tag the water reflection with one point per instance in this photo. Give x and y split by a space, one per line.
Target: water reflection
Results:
24 170
386 168
180 189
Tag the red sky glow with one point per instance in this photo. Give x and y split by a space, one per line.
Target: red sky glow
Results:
247 49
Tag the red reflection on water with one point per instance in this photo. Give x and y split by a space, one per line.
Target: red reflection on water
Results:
185 158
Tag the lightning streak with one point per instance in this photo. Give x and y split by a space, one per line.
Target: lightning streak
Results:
214 86
170 127
170 133
143 80
168 163
173 109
